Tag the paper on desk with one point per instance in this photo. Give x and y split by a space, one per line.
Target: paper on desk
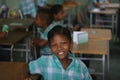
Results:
96 9
80 37
16 24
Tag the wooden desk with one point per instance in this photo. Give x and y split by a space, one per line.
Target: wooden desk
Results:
13 38
113 5
71 4
106 11
17 23
112 13
99 34
95 47
13 70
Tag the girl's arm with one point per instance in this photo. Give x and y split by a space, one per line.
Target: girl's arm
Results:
31 76
38 42
97 4
107 2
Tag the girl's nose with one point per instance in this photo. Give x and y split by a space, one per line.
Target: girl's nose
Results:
59 47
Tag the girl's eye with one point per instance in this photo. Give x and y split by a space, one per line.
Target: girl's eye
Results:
53 45
64 42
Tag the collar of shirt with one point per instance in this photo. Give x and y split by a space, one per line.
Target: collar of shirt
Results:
58 22
58 63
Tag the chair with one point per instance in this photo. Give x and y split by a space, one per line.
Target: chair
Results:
20 13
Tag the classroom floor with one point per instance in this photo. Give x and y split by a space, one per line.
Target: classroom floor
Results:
114 61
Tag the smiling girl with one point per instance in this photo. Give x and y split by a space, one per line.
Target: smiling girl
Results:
62 64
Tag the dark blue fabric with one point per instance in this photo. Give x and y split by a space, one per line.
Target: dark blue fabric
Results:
97 0
4 55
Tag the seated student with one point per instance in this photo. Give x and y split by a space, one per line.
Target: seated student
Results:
99 3
42 22
28 8
62 64
96 4
42 3
59 17
4 55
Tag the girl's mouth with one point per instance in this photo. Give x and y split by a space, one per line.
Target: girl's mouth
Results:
60 53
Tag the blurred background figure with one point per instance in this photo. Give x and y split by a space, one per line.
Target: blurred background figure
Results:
28 8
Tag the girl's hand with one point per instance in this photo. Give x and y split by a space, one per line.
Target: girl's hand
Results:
35 41
106 2
75 28
28 79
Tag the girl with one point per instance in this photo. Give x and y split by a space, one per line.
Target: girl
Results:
62 64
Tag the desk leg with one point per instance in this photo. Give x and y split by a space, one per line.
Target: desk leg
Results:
27 48
103 64
91 16
11 53
113 27
108 61
116 26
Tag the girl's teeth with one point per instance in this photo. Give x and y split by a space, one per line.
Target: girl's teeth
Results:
61 53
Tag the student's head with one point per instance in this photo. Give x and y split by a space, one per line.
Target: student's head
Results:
59 39
58 12
43 17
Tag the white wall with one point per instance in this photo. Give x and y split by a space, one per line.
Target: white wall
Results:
13 4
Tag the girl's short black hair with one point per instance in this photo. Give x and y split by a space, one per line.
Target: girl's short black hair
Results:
56 8
59 30
44 13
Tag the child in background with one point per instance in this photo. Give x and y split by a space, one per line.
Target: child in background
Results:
96 4
28 8
42 21
62 64
59 18
99 3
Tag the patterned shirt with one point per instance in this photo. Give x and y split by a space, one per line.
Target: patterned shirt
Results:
43 35
28 7
41 2
51 69
61 23
93 1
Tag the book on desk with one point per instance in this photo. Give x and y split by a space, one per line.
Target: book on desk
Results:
80 37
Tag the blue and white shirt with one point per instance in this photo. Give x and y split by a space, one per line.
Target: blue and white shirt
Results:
41 3
28 7
91 6
43 35
51 69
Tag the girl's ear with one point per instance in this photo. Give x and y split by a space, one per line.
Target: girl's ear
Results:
55 16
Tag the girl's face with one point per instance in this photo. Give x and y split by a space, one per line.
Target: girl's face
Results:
60 46
40 21
60 15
